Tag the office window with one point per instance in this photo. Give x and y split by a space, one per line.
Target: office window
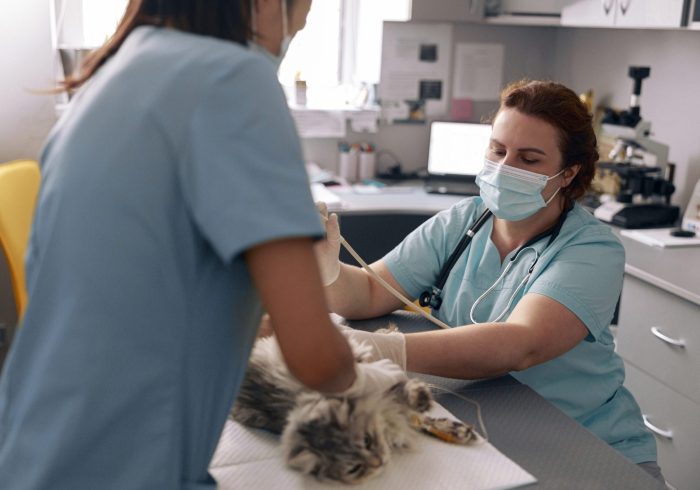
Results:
314 52
84 24
340 47
100 20
368 42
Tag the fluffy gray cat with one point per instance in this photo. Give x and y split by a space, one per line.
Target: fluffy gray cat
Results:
346 439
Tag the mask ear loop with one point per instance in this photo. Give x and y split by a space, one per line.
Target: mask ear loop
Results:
253 20
515 293
546 203
285 20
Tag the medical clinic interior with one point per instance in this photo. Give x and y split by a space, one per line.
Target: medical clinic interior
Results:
305 244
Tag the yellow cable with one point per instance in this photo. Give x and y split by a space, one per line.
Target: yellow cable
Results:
388 286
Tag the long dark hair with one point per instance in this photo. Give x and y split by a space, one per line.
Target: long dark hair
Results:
223 19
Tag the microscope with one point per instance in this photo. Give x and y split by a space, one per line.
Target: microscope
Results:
642 199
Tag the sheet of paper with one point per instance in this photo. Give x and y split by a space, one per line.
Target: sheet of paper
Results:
248 458
319 123
478 73
320 192
416 64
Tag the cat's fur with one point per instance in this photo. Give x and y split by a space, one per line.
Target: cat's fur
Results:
330 437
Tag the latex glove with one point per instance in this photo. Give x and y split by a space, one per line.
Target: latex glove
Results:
375 378
328 249
390 346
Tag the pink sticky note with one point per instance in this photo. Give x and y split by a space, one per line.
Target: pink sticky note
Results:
461 109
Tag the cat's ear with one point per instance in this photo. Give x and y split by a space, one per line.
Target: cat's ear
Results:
303 460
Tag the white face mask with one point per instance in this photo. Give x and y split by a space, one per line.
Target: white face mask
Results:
275 59
511 193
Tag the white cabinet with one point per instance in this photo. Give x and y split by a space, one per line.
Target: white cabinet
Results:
642 14
447 10
650 13
675 421
659 340
589 13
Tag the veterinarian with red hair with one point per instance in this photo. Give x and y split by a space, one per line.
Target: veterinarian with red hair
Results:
174 207
535 289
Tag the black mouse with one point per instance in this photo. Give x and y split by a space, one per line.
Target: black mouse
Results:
680 232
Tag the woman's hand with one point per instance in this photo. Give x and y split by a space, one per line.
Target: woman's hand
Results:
328 250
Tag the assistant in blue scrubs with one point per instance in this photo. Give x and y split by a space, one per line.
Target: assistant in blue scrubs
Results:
175 158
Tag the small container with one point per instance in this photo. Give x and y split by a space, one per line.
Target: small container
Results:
347 165
368 165
300 93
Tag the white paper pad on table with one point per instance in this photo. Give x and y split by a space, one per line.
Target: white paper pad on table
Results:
661 237
249 458
320 192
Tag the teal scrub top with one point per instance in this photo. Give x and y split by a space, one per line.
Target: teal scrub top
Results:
582 269
179 155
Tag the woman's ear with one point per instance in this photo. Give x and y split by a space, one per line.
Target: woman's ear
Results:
570 173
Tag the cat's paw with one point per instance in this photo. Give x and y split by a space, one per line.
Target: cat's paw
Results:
452 431
417 394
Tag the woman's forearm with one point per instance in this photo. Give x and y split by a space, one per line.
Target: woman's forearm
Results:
350 295
470 352
357 295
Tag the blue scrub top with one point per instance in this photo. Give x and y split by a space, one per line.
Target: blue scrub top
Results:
179 155
582 269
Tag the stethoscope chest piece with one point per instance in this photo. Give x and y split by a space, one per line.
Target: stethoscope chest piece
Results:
431 298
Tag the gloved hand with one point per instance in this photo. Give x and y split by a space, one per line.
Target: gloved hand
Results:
375 378
328 250
390 346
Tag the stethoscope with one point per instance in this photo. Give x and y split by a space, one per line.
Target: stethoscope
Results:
433 297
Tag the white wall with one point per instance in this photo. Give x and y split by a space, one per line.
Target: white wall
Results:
26 65
529 52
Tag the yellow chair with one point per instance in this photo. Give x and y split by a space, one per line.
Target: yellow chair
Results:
19 186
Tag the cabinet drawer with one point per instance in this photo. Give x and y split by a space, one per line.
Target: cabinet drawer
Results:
669 411
646 314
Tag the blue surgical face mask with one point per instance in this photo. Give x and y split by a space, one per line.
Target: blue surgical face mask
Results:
511 193
275 59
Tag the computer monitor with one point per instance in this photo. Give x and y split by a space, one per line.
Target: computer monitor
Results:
457 148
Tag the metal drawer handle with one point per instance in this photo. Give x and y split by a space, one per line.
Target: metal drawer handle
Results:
657 333
666 434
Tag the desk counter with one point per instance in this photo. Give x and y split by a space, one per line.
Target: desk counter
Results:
674 269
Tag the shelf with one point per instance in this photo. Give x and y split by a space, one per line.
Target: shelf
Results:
524 20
